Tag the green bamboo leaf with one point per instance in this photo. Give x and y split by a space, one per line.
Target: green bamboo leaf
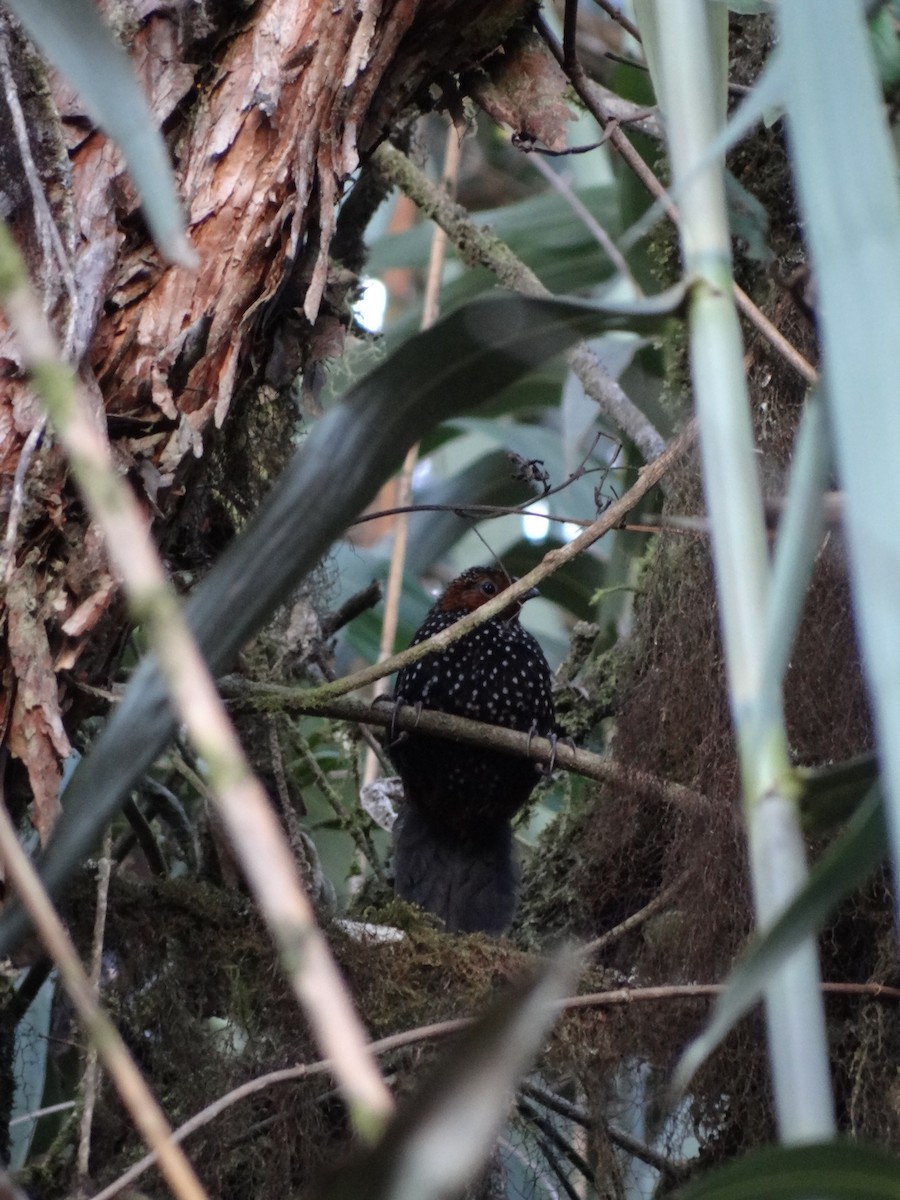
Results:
843 868
846 174
539 226
799 541
832 794
73 36
825 1171
451 368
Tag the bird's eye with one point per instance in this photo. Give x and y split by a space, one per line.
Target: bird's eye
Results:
489 588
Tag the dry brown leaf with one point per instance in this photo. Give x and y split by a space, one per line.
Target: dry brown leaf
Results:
524 88
36 733
89 612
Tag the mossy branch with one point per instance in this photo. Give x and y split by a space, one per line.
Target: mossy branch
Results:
269 696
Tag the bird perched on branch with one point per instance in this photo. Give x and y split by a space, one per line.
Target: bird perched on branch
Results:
453 847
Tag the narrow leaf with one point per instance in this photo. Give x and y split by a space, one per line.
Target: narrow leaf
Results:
843 868
75 39
832 794
846 173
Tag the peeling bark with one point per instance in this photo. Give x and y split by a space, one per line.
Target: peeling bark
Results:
267 112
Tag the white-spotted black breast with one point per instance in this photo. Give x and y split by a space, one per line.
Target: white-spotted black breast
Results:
466 795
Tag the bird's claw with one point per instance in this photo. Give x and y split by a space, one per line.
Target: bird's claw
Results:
554 741
393 732
396 705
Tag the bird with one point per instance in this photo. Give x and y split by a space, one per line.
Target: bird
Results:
453 840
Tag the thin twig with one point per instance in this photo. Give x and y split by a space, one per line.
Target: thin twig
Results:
556 1139
637 918
473 512
618 998
477 246
352 608
553 1162
367 736
482 511
136 1096
277 763
587 218
588 94
615 13
354 826
91 1079
49 1111
17 500
674 1168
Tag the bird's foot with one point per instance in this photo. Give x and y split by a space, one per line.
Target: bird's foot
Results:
532 734
554 741
393 731
396 705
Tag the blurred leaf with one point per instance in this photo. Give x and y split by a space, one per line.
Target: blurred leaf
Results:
75 39
846 172
886 46
30 1049
832 794
543 231
442 1137
828 1171
799 542
749 221
844 867
457 364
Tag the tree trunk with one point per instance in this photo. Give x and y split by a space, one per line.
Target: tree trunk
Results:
267 116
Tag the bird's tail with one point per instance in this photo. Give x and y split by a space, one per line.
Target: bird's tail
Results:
471 885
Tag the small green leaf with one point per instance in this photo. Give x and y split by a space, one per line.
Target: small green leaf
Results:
832 794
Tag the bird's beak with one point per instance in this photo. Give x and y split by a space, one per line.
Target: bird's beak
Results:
529 595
